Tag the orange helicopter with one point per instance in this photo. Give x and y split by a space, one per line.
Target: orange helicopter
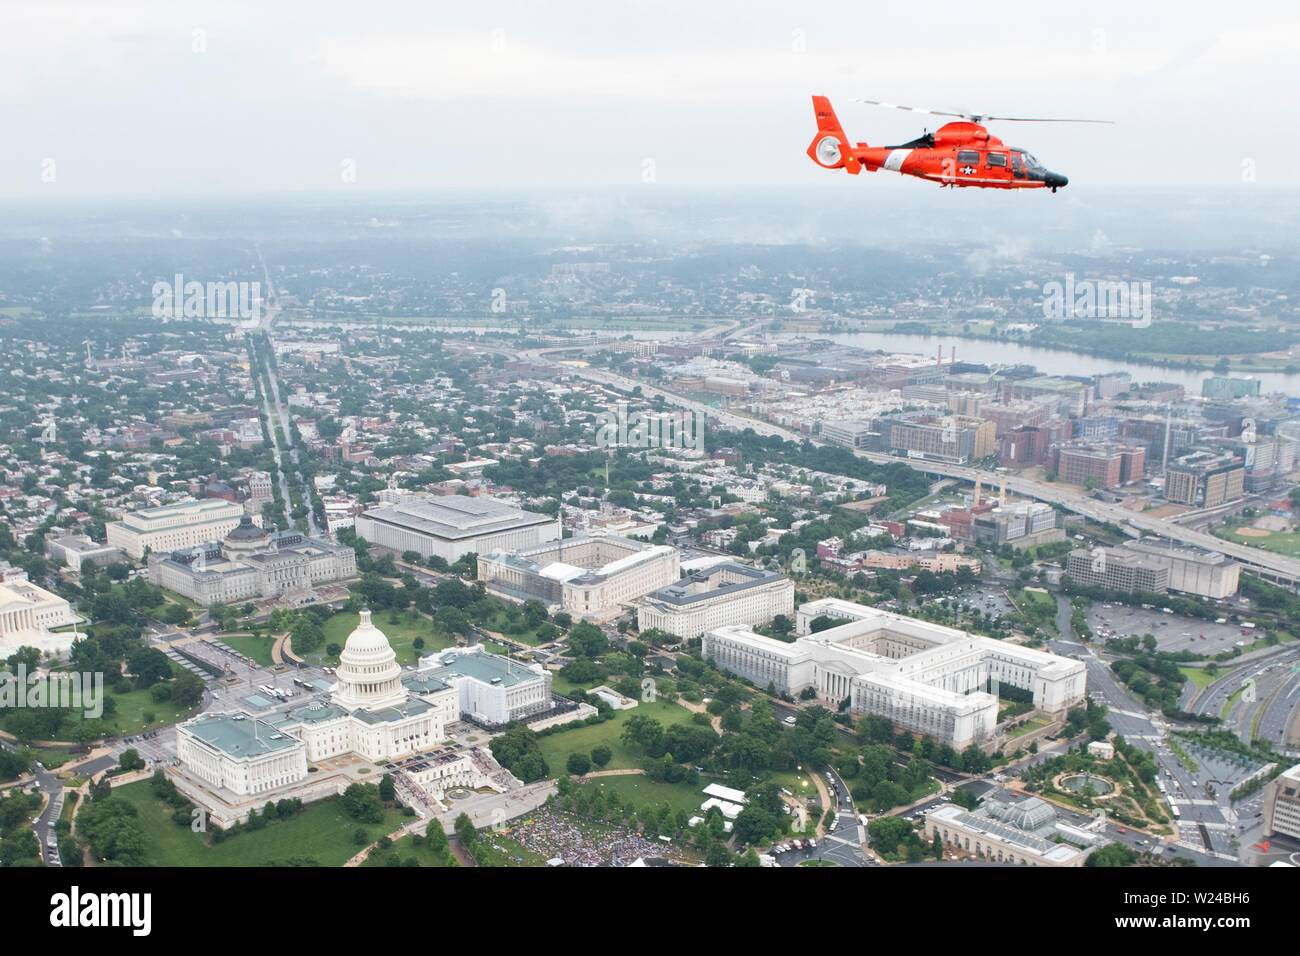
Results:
956 154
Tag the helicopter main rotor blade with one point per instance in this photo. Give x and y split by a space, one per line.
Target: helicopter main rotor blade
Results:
1041 119
978 117
913 109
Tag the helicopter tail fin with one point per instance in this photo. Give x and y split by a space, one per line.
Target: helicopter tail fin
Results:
830 148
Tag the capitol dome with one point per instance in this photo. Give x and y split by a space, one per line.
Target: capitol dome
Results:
368 674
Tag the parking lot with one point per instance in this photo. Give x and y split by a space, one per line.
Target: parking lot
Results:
1173 632
989 598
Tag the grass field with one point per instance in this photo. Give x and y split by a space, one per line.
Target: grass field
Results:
1279 542
321 832
557 747
1039 609
401 635
1232 699
131 710
258 648
1030 725
1199 676
500 850
566 687
800 784
404 850
641 791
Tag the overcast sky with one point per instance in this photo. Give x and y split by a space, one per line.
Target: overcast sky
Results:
177 99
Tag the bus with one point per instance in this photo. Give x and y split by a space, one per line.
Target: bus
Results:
1177 812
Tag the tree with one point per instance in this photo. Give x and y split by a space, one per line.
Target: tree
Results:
888 833
578 764
111 827
437 837
754 824
936 846
465 831
717 854
306 634
601 755
130 760
149 666
26 657
1116 854
587 640
187 689
361 802
387 788
517 750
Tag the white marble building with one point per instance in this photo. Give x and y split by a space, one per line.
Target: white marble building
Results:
29 614
493 689
454 525
592 576
251 563
240 754
724 594
185 524
924 677
372 711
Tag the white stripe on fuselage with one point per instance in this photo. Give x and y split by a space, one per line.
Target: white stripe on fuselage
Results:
894 161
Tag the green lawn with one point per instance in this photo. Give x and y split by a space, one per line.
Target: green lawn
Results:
404 849
1232 699
800 784
557 747
641 791
53 759
1199 676
497 849
256 647
566 687
1279 542
1030 725
401 635
129 718
321 832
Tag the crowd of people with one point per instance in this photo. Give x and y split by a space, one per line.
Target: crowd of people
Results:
557 835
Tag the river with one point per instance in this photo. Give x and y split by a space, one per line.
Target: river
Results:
1047 361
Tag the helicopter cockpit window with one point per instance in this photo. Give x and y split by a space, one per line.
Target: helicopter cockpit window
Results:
967 156
1031 161
997 159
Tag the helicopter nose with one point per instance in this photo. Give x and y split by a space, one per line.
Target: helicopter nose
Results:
1055 181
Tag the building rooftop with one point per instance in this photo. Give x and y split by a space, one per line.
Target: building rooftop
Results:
712 582
185 507
456 516
384 715
477 665
239 735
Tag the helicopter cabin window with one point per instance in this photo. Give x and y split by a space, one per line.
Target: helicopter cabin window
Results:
967 156
997 159
1017 167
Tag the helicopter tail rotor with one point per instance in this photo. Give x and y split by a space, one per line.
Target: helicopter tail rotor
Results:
830 148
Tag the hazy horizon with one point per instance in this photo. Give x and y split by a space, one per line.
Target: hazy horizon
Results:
192 100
